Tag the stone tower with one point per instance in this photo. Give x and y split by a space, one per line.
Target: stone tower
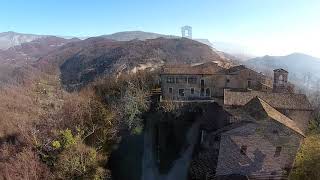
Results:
280 81
186 32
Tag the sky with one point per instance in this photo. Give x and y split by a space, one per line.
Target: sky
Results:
260 27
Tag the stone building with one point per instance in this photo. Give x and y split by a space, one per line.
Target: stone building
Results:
258 142
265 145
241 77
188 82
257 128
208 81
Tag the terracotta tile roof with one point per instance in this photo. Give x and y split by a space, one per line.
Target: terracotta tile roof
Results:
277 100
208 68
258 106
230 127
236 68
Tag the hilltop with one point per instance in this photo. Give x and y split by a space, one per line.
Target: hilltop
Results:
82 61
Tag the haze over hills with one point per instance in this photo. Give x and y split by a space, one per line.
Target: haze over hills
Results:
10 39
15 62
240 52
30 51
303 69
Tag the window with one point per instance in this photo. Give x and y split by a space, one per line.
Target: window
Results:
278 151
217 138
181 92
207 92
202 82
249 83
182 80
202 92
192 91
228 80
170 90
192 80
170 80
243 150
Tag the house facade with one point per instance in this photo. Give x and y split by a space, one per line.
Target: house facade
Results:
187 82
208 80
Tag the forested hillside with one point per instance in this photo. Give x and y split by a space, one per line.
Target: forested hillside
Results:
45 129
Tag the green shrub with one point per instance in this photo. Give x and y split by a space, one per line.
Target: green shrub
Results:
78 161
67 138
307 164
56 144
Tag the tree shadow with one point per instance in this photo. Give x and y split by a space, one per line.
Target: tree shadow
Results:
126 161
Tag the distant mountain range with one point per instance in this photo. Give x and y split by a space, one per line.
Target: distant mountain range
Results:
30 51
10 39
303 69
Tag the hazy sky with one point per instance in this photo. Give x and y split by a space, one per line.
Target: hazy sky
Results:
274 27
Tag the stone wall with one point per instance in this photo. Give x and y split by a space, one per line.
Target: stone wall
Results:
243 79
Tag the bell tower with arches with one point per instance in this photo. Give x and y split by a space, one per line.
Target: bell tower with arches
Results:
280 81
